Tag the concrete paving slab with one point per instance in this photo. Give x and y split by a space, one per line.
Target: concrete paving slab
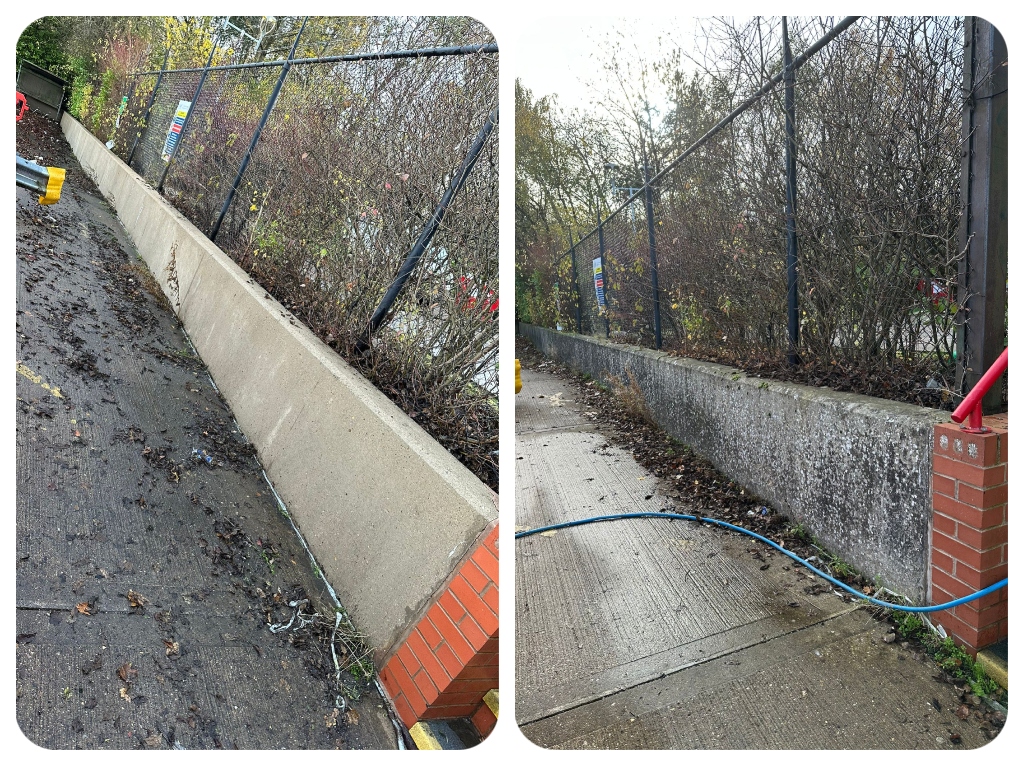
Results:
633 599
645 633
833 685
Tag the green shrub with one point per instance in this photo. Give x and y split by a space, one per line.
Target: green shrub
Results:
958 663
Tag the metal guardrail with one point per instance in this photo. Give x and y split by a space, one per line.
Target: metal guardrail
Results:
44 181
970 407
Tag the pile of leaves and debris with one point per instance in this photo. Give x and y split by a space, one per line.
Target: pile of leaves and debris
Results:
334 651
910 382
697 485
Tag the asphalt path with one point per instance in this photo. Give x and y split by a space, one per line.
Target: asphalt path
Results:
152 555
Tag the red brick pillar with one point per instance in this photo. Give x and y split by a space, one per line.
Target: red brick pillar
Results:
969 530
449 661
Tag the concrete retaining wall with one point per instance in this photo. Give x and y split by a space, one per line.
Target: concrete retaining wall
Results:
854 469
389 513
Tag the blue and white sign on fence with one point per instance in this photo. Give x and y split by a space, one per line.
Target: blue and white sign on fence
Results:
174 132
599 282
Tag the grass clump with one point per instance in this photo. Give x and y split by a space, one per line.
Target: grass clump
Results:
958 663
631 397
953 659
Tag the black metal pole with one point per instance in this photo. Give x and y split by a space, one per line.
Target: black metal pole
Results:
149 107
256 135
576 287
461 50
458 180
791 249
981 336
604 278
188 117
649 201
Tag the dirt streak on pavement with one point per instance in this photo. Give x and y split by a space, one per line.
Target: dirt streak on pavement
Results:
152 557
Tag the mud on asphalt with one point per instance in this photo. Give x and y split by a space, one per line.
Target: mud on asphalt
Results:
152 557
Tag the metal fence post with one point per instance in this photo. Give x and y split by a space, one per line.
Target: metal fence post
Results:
604 278
649 201
149 107
981 337
576 287
188 117
791 247
458 180
256 135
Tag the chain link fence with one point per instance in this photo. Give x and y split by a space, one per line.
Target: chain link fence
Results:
878 205
354 155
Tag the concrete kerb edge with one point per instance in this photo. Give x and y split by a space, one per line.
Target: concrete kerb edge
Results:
901 467
450 487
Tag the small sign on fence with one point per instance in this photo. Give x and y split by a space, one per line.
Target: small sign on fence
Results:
174 132
120 111
599 282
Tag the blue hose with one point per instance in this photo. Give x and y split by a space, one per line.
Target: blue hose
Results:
686 517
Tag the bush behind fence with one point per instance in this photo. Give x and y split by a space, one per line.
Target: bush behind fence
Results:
878 208
347 172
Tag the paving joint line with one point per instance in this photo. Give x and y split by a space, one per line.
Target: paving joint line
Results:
665 673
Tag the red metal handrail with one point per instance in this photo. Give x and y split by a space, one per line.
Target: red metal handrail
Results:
970 407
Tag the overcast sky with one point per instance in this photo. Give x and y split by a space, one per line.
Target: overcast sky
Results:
558 54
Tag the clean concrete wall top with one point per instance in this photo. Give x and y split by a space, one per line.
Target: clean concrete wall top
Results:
386 510
855 469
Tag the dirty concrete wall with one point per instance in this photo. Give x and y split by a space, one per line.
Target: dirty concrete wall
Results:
388 513
854 469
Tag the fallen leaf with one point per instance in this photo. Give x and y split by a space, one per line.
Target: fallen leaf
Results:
83 608
126 672
135 600
172 647
352 717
